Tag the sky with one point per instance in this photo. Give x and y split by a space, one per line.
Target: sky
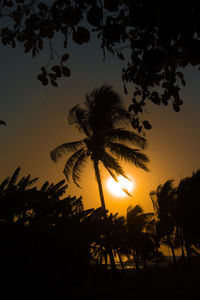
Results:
36 119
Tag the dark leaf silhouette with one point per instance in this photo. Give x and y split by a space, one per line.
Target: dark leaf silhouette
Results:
66 71
157 51
65 57
147 125
81 35
94 16
2 123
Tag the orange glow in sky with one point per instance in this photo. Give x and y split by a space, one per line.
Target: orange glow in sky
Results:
36 124
121 188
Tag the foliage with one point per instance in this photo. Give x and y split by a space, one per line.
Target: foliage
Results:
156 35
42 235
104 143
2 123
98 120
52 240
177 211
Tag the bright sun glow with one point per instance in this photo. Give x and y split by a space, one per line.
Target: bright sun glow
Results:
121 188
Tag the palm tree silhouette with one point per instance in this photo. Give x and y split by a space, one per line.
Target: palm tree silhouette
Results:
139 239
164 203
99 119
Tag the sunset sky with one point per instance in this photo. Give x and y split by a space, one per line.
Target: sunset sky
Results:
36 119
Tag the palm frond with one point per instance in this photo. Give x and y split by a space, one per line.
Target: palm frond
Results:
110 163
120 115
127 192
124 136
4 184
26 181
154 200
59 185
44 187
113 174
14 177
64 149
104 108
126 153
77 169
135 219
79 117
71 161
104 98
137 209
59 188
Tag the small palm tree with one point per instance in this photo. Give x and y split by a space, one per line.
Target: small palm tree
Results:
164 202
140 240
104 141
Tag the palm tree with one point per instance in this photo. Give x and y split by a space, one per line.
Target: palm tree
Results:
105 142
140 240
187 213
164 202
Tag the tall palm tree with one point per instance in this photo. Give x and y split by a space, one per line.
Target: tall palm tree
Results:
105 142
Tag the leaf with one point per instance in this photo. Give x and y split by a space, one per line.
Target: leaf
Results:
180 74
43 78
66 71
139 129
131 108
2 122
44 71
82 35
65 57
120 55
40 77
52 76
135 123
111 5
57 70
42 6
45 81
54 83
13 44
147 125
176 107
183 82
40 44
125 90
94 15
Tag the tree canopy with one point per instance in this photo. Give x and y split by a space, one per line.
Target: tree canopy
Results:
157 36
104 141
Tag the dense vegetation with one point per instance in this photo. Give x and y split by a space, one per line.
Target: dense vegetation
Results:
48 237
153 38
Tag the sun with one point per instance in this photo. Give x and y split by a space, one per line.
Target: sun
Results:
121 188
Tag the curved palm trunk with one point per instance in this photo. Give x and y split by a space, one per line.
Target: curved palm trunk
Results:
98 177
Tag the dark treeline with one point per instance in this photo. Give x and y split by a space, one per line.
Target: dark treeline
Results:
47 238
